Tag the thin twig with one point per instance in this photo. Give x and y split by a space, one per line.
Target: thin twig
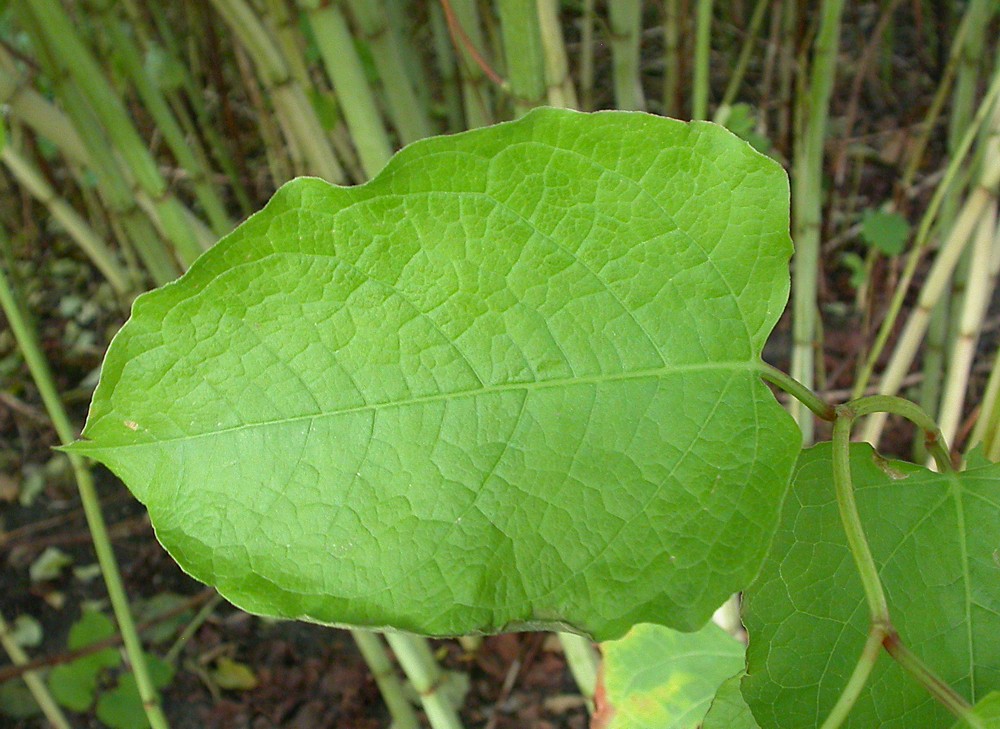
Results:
461 41
15 535
24 408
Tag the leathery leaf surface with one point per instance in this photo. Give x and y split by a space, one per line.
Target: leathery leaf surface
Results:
510 383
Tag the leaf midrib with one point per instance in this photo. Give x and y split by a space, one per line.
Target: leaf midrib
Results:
85 446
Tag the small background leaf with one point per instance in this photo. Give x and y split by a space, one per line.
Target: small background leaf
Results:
74 684
743 123
234 676
92 626
934 538
885 231
26 631
121 707
49 564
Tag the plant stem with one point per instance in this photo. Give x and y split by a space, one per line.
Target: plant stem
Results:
583 661
881 632
78 228
462 18
969 58
860 74
295 114
807 201
166 123
33 680
859 678
626 28
973 208
191 628
37 112
447 68
54 28
389 685
937 688
414 655
800 392
287 35
974 306
99 158
522 48
791 62
42 375
560 86
929 394
934 286
929 123
278 163
203 124
586 63
405 110
702 60
970 276
414 63
671 59
739 71
987 430
347 75
915 414
878 606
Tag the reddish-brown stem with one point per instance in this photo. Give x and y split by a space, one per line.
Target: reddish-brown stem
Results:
951 699
462 41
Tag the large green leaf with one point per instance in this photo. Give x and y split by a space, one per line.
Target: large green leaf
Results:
512 382
934 538
657 678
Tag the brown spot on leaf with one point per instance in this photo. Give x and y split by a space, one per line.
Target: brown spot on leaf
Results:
886 467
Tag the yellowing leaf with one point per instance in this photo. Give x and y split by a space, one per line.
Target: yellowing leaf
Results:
657 678
234 676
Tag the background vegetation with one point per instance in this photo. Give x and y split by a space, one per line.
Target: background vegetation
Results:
138 133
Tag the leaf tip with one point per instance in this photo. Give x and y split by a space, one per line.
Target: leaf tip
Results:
80 447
